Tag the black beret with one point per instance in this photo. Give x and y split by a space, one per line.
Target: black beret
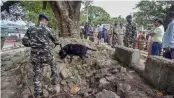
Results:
44 16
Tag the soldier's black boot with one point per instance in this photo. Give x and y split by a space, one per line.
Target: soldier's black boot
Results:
54 78
38 94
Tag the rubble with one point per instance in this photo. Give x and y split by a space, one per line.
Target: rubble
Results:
107 94
122 69
100 77
103 82
65 73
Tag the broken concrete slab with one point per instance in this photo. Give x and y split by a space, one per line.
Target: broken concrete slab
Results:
159 72
106 94
127 56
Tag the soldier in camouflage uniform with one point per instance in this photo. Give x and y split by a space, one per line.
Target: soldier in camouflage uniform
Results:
115 35
130 34
38 38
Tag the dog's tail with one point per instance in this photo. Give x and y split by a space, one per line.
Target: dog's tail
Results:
91 49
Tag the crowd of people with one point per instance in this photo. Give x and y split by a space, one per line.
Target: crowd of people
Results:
157 41
112 35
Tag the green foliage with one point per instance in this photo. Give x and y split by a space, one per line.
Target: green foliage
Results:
149 10
35 8
82 18
96 15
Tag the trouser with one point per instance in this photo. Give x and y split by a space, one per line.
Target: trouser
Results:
100 35
130 42
120 39
114 40
105 37
110 39
169 53
156 48
38 60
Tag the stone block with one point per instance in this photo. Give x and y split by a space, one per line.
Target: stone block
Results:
65 73
159 72
128 56
106 94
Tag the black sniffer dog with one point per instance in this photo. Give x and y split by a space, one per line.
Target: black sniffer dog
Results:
74 50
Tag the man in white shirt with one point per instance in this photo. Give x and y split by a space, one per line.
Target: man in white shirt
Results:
168 39
100 29
157 37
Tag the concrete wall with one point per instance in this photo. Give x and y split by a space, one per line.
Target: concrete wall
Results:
128 56
160 73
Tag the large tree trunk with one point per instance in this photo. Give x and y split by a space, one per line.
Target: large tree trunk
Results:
67 14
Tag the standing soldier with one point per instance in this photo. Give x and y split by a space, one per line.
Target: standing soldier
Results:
38 38
130 34
115 35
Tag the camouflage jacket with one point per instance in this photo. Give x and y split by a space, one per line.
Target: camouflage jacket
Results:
130 30
39 36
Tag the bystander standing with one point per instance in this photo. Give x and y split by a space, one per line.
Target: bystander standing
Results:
168 39
157 36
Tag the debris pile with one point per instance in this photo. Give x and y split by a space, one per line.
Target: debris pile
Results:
100 77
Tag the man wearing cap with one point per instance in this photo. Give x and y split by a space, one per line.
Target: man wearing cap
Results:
38 38
115 35
168 39
157 36
130 33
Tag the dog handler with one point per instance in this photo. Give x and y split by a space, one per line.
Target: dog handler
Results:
37 37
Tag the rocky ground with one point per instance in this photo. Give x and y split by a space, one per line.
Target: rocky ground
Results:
100 77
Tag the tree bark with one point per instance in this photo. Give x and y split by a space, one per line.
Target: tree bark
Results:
67 14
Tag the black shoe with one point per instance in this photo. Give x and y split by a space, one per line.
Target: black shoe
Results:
54 81
38 94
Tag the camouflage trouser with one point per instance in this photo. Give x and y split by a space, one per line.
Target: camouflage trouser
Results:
114 40
39 58
130 41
